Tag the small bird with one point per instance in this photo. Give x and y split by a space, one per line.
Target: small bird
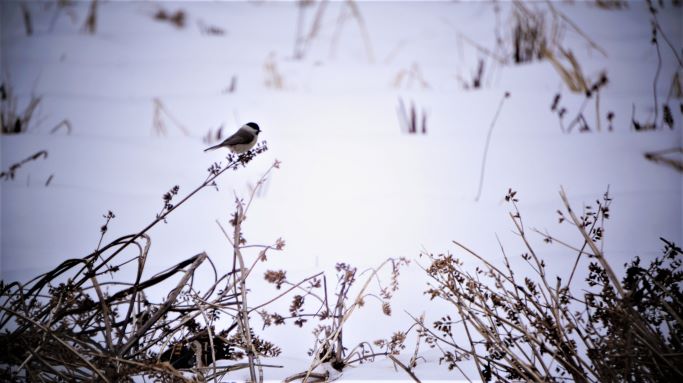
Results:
244 139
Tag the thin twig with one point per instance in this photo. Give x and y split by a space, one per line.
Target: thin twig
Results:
404 367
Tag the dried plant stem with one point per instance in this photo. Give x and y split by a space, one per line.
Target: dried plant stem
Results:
244 312
500 60
596 252
659 157
106 315
211 336
654 83
353 6
404 367
28 25
163 368
197 260
240 278
597 111
285 292
574 27
668 42
486 146
305 376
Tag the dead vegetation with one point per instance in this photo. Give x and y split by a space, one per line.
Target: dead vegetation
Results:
158 121
11 172
86 320
308 32
536 327
177 18
274 78
90 24
329 346
95 318
410 77
12 120
411 120
669 157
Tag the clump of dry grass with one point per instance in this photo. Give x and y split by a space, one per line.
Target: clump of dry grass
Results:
528 35
411 121
537 327
13 121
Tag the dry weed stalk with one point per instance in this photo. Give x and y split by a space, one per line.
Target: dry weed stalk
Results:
611 4
66 124
572 74
11 172
329 346
408 77
304 39
274 78
158 125
568 21
538 329
232 87
90 24
26 16
486 145
75 324
666 157
210 30
591 91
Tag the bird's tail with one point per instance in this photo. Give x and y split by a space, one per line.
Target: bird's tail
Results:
213 147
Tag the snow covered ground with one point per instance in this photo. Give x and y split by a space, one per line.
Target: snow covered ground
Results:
352 186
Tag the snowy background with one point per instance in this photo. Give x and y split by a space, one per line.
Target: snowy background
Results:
353 186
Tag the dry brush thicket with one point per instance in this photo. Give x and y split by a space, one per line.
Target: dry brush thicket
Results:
523 325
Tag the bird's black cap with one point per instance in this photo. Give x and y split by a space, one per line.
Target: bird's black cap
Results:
254 125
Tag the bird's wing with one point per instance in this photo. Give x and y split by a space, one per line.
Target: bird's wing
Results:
240 137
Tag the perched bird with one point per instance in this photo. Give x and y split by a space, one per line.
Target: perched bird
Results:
244 139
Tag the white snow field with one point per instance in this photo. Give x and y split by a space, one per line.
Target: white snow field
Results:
353 186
